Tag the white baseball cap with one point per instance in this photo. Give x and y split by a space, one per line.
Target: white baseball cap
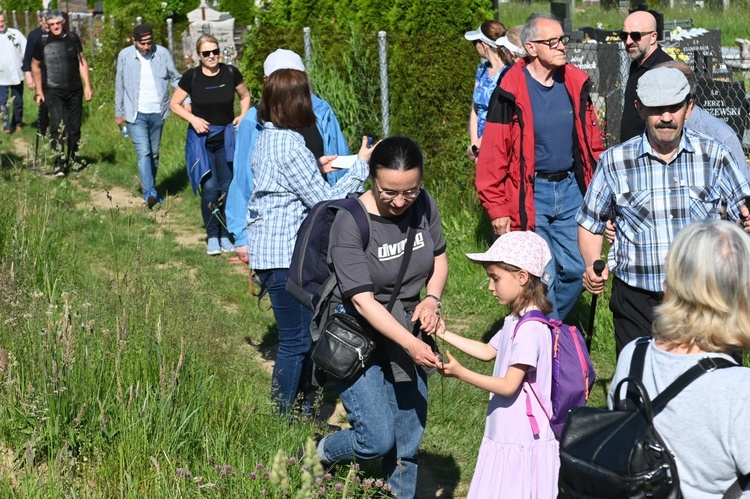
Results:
282 59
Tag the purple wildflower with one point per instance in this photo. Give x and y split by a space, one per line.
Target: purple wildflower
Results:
253 475
339 487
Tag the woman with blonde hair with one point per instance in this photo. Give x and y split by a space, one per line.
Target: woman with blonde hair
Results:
209 148
705 313
488 76
510 46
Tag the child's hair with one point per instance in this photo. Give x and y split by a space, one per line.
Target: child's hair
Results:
534 293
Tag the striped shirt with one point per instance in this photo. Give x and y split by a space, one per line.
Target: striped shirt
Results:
128 80
706 123
653 200
286 184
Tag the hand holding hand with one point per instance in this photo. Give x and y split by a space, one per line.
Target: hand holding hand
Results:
428 315
452 368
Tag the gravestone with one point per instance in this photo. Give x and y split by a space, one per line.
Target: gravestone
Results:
599 60
700 45
725 100
205 20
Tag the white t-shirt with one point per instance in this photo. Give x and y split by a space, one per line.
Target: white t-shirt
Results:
12 48
148 97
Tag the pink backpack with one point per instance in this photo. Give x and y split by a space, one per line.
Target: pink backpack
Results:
572 372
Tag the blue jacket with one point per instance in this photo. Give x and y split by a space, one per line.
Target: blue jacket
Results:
242 182
196 158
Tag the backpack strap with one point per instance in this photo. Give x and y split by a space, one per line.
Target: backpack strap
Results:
537 316
405 259
358 212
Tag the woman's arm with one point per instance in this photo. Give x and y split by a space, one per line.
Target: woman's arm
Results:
175 105
426 311
244 95
379 318
505 387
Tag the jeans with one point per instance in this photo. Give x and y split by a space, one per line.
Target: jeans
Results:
556 206
214 190
145 133
65 114
295 342
387 420
14 119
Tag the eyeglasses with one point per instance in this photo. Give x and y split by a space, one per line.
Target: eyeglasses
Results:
634 35
208 53
389 195
554 42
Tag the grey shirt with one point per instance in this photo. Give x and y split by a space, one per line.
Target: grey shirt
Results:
376 269
706 426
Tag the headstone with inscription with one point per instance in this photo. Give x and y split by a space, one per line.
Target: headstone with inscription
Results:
725 100
700 45
205 20
599 60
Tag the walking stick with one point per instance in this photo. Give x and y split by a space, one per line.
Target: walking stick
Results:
598 269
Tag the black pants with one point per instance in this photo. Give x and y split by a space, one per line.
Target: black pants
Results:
65 115
632 312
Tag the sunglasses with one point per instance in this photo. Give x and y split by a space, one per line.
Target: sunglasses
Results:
208 53
554 42
634 35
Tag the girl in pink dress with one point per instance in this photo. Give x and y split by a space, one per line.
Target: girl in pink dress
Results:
513 461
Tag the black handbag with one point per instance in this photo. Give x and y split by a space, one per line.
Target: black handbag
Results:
347 342
619 453
344 346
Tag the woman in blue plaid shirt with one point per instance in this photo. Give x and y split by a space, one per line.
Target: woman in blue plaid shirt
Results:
287 183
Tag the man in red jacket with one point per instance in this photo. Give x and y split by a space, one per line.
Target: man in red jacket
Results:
540 147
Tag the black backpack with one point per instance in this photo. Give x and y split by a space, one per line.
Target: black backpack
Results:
310 278
619 453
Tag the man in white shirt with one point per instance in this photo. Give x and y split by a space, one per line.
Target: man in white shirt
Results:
144 72
12 48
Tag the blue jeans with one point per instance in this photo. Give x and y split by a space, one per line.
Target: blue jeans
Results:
295 342
214 190
387 420
14 119
556 205
146 136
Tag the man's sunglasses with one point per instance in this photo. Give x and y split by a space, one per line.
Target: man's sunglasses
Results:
208 53
634 35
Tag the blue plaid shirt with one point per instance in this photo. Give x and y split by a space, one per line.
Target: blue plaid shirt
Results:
652 200
286 184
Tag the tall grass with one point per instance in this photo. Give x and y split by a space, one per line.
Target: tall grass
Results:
132 365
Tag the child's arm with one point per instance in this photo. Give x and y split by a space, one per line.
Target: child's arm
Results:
477 349
506 386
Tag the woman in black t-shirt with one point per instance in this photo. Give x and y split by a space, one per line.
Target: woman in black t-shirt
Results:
211 87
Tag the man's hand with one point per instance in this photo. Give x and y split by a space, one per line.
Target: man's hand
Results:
120 120
745 213
88 94
241 252
501 225
593 283
39 98
609 231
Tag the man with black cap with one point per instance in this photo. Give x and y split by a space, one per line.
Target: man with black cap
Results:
66 85
654 186
144 72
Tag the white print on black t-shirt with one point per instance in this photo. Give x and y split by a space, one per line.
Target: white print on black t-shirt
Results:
391 251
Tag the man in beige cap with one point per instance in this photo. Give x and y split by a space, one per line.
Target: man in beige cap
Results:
654 187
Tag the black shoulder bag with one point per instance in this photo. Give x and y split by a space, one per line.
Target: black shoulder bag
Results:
619 453
347 341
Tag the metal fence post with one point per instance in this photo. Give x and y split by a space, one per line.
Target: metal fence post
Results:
26 19
112 21
384 100
91 28
307 37
15 19
170 35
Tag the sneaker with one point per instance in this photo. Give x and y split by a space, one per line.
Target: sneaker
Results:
226 245
151 201
60 172
213 246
